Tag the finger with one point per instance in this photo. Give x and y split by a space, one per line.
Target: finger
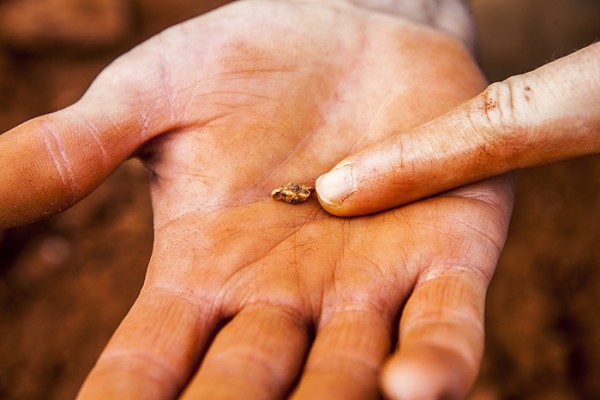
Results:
154 350
256 356
440 339
550 114
51 162
346 356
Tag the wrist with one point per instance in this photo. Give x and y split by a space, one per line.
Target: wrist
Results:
450 16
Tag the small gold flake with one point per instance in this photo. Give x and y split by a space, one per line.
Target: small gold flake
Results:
292 193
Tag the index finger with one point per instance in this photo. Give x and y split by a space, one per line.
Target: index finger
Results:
547 115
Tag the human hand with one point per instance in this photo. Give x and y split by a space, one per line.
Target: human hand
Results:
547 115
239 102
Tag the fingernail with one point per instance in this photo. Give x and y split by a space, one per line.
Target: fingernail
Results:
337 185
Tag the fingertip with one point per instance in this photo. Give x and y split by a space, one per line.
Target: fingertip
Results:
345 191
335 187
335 209
427 373
367 182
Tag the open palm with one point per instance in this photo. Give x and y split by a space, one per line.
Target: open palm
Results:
246 297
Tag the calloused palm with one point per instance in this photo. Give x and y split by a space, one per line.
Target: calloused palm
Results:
246 297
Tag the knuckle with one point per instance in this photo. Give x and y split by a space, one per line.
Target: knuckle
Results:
498 105
499 115
58 156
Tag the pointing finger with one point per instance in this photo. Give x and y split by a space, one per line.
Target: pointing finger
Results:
550 114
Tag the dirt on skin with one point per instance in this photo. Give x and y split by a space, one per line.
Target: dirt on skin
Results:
66 282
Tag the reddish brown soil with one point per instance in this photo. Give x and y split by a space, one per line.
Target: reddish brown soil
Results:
65 283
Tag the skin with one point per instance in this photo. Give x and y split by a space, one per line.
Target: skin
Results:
547 115
247 297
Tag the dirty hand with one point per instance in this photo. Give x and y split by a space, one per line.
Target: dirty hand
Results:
547 115
246 297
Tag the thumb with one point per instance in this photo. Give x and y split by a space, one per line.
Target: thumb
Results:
51 162
547 115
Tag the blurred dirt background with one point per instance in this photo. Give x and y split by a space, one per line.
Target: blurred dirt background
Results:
65 283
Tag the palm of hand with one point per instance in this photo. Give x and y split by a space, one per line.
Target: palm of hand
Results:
252 97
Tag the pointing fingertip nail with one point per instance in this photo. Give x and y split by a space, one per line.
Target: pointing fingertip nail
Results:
336 185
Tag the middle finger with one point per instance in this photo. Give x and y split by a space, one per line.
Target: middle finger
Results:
255 356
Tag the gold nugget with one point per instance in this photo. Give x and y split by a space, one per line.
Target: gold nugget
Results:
292 193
